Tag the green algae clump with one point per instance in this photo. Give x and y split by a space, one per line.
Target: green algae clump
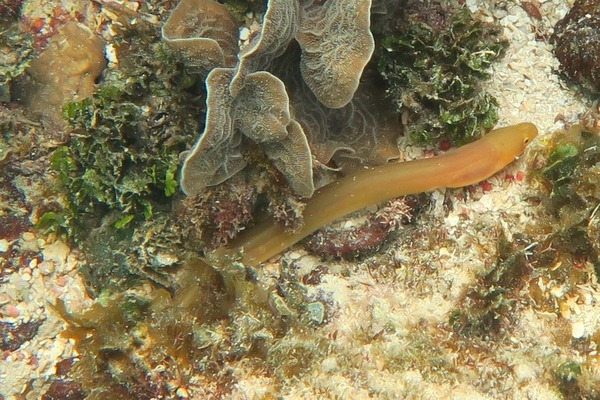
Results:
434 70
123 153
570 175
489 302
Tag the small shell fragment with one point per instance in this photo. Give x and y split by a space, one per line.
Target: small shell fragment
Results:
577 329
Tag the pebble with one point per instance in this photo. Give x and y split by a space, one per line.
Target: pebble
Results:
57 251
46 267
498 14
443 252
4 245
244 34
166 259
11 311
110 51
62 281
132 5
577 329
4 298
524 372
28 236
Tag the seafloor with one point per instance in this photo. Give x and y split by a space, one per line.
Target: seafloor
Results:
459 306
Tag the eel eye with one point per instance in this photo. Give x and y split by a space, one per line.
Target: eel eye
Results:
526 141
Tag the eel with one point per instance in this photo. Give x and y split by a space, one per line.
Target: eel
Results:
463 166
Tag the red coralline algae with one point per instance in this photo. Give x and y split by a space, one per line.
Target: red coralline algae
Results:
43 29
62 387
366 238
11 226
14 335
214 217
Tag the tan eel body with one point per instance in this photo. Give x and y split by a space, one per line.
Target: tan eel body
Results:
459 167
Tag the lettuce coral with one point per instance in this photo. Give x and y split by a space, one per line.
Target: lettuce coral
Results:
332 60
336 44
216 156
205 32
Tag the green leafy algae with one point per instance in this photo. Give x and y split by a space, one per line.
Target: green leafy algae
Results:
561 165
569 371
570 174
490 300
123 154
435 70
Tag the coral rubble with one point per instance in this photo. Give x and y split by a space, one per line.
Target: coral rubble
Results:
366 238
14 335
216 216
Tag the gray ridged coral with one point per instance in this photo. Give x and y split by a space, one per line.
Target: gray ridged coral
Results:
205 32
261 112
335 46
